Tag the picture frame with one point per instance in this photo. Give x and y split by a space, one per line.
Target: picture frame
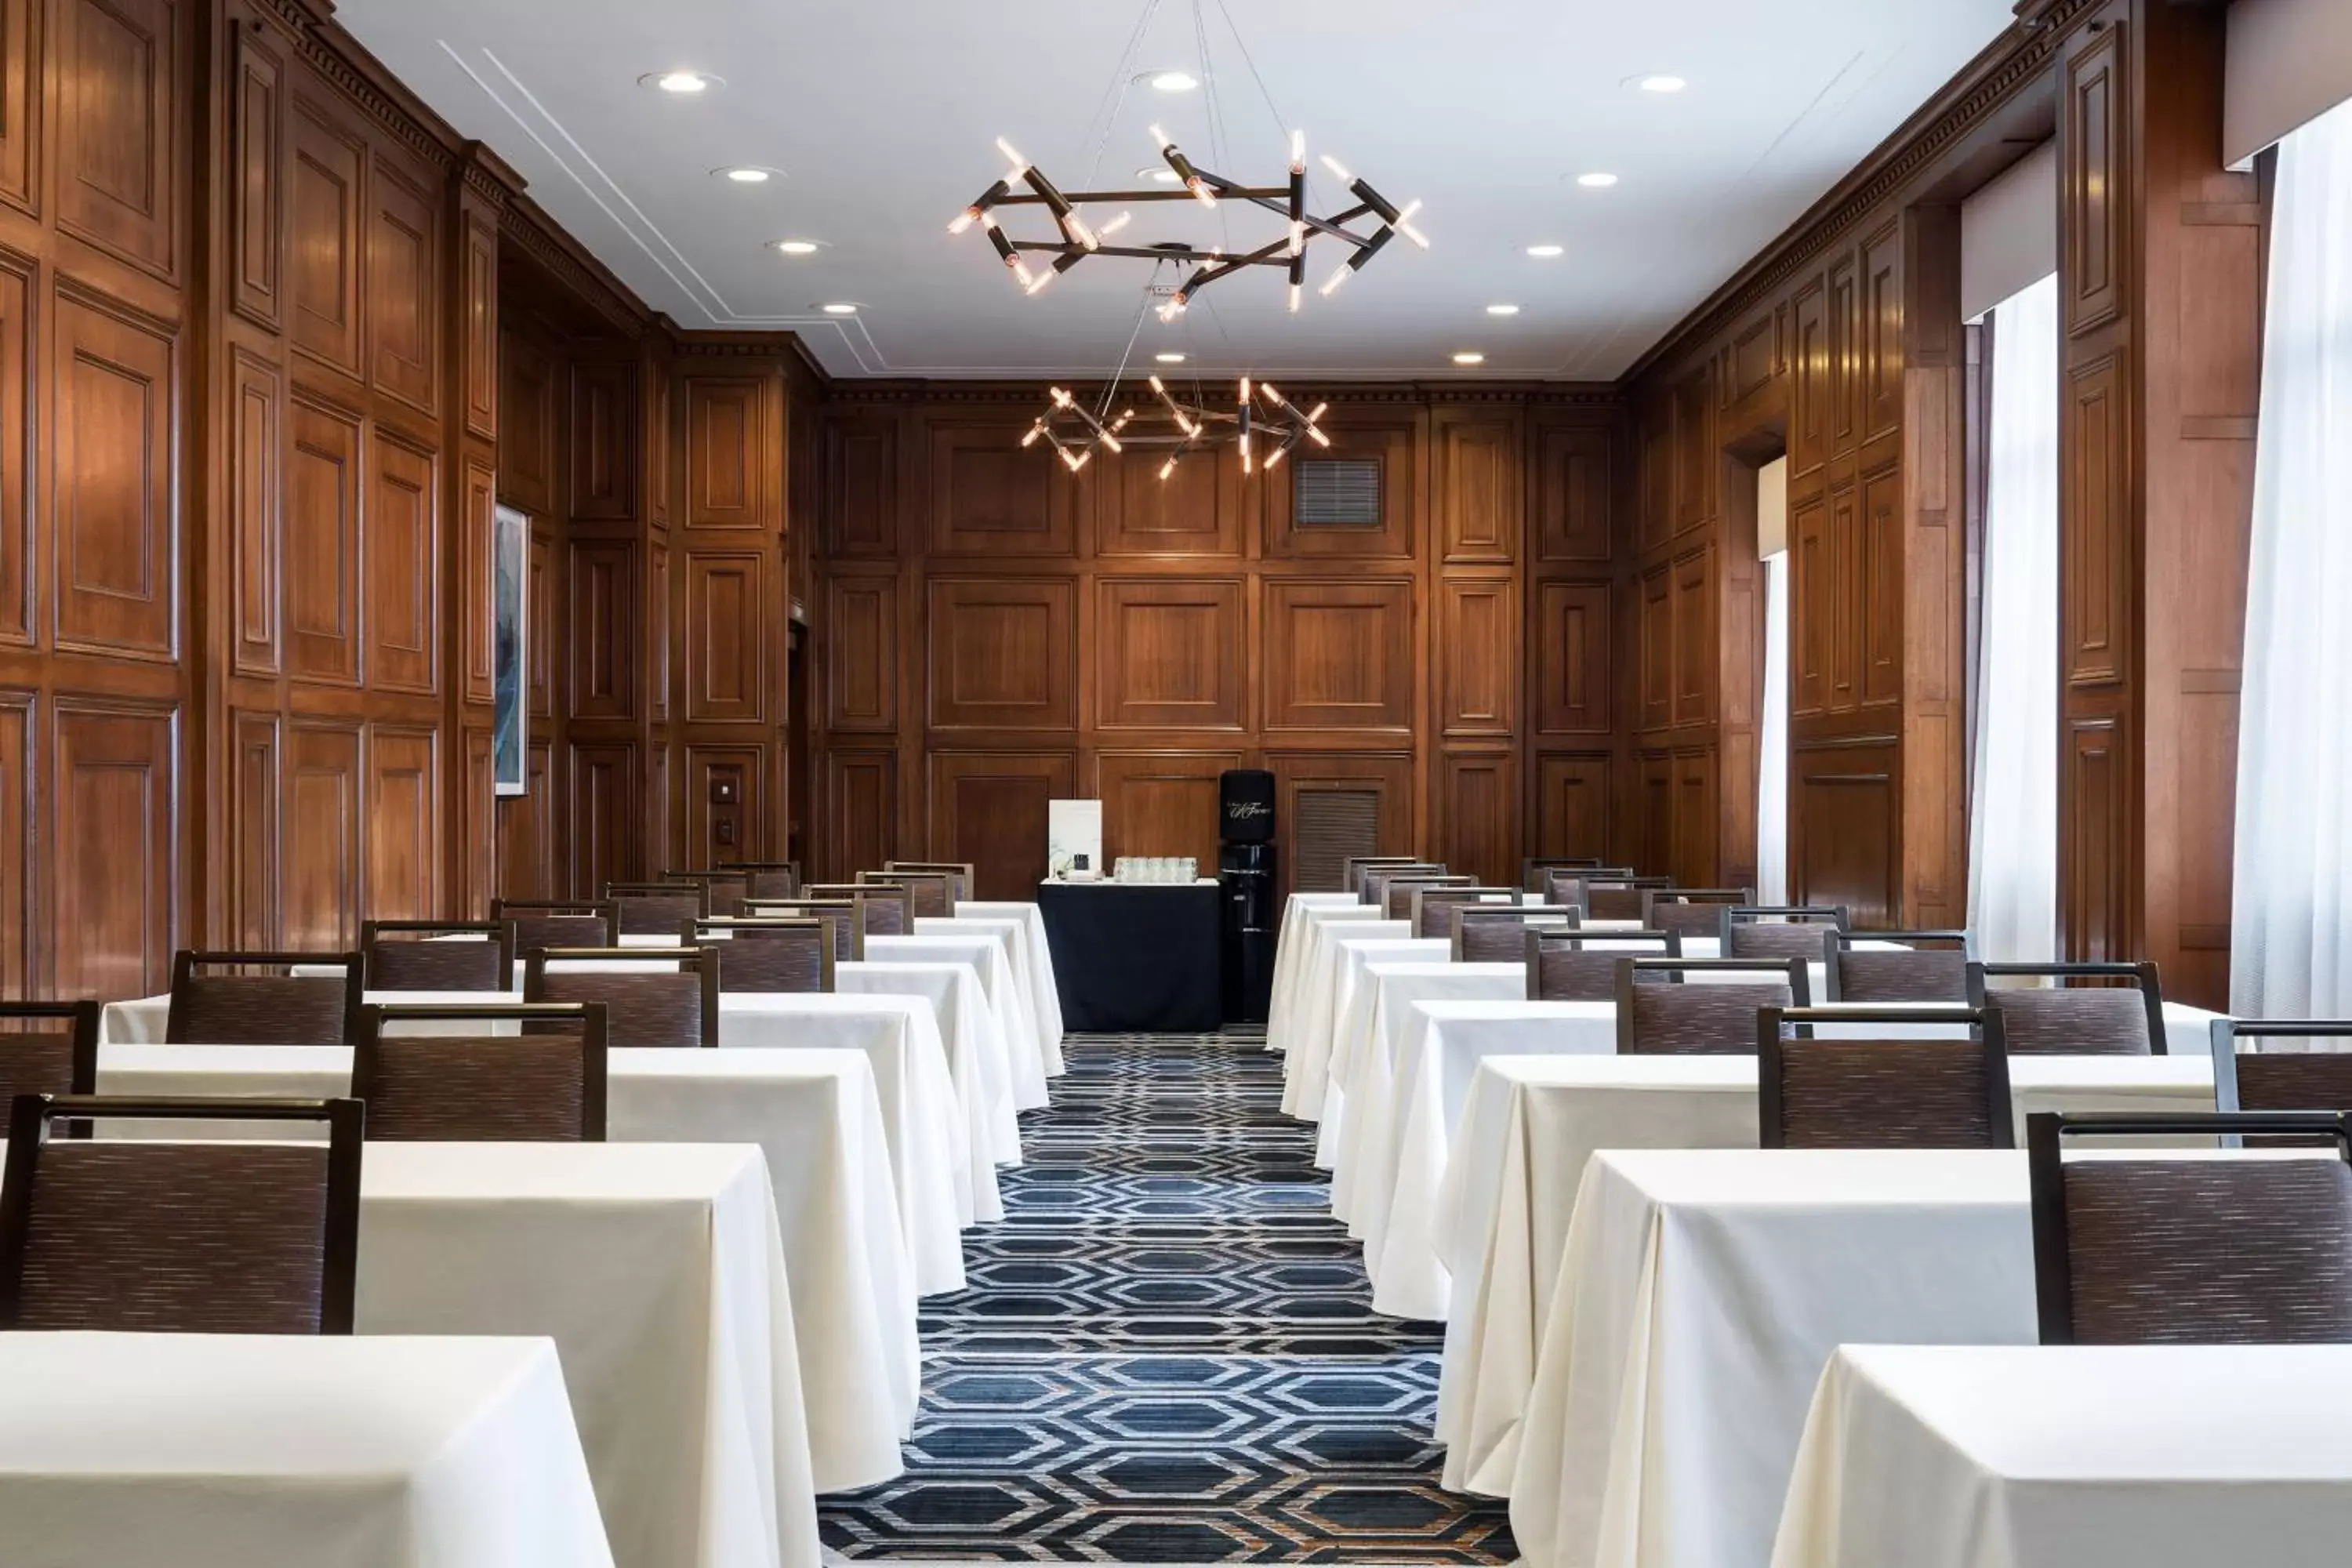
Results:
510 652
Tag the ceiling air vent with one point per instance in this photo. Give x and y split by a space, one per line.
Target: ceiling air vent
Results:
1337 492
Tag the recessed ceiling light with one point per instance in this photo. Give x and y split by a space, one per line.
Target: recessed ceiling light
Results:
797 246
1173 81
683 83
1596 181
1502 310
1161 173
1170 358
1469 356
839 309
1544 252
1659 83
746 175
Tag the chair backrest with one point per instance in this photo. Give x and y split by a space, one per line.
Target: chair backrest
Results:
1377 879
654 908
1396 893
1582 967
929 893
2120 1014
2310 1078
1932 967
767 879
723 891
409 956
883 910
1618 898
557 922
1880 1093
277 1007
1780 930
60 1059
839 915
957 873
2197 1249
1358 864
1534 873
1430 905
679 1006
1712 1017
1693 912
767 954
149 1236
1498 933
541 1082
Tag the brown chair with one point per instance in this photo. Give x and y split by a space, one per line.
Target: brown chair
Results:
1620 898
654 908
2304 1079
1921 973
929 894
1397 892
557 922
1430 905
2103 1018
1849 1093
957 873
767 879
1498 933
1705 1018
1569 886
1581 965
48 1061
1693 912
2227 1250
676 1008
415 958
1357 864
1377 879
767 954
543 1082
1785 931
723 892
143 1235
840 916
882 911
1533 873
275 1008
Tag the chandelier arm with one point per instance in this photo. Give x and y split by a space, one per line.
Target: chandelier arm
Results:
1078 198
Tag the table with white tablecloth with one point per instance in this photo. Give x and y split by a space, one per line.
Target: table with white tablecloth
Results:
985 954
235 1451
1350 1002
1037 962
815 1117
2075 1457
1366 1048
1307 1049
978 1057
1289 955
1521 1147
1010 933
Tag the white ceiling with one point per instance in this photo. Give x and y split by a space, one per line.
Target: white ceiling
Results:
882 115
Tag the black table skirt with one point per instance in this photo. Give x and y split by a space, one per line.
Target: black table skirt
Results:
1135 957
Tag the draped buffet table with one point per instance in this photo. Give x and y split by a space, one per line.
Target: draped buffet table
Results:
1136 955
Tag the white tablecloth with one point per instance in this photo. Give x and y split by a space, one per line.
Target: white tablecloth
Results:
1352 956
815 1117
1047 991
2075 1457
1371 1039
1307 1051
1523 1144
978 1058
1290 944
1024 1063
210 1451
1012 932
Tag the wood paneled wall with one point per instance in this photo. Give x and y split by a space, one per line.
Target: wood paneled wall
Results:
993 632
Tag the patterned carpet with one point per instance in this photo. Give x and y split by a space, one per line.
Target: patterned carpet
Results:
1168 1351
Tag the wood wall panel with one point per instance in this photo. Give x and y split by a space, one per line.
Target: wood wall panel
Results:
1880 616
1572 816
402 311
603 447
2095 209
1479 624
1478 812
861 486
112 790
18 453
603 614
1195 512
1338 653
861 808
256 808
258 188
1693 638
403 558
2094 547
991 496
726 465
1385 778
1480 481
1572 661
478 501
404 837
323 213
1170 654
119 126
725 666
1657 646
1003 653
1844 846
324 846
989 808
607 838
321 551
116 557
1394 440
1162 803
1570 484
861 624
256 510
715 828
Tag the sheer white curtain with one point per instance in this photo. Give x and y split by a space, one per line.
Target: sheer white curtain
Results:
1772 752
2291 943
2013 813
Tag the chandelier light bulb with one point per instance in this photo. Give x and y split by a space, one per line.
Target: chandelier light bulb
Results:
1037 284
1114 226
1162 137
964 220
1403 224
1021 272
1167 467
1298 237
1012 156
1332 284
1297 151
1338 170
1275 459
1035 431
1294 298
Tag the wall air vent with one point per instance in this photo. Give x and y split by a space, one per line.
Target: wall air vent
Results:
1337 492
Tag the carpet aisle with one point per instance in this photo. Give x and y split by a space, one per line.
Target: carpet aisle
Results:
1168 1351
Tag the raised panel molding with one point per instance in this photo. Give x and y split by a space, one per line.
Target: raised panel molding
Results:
605 419
1882 610
861 630
1338 653
1881 333
1478 814
115 558
1845 822
19 455
541 593
1195 512
1002 653
1811 590
604 624
1809 425
256 473
1385 777
527 424
1571 485
1572 662
725 473
323 216
481 330
2094 536
719 832
989 808
402 566
1170 654
1391 441
1480 484
1846 356
119 115
480 492
20 105
991 496
1572 814
114 786
1162 803
478 829
2094 834
861 492
322 552
403 835
257 179
1845 595
403 307
1754 357
607 831
1477 649
1695 638
2094 141
657 646
727 636
1657 648
256 788
1694 453
323 843
861 819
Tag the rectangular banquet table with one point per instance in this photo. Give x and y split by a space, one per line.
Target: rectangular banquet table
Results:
1352 957
1520 1148
986 952
235 1451
1011 936
1132 956
1039 959
2075 1457
1308 1091
814 1117
1365 1050
978 1058
1290 943
655 1269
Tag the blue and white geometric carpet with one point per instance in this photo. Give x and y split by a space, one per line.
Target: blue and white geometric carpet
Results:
1168 1351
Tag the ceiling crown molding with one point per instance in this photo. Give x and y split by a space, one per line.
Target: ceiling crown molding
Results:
335 55
538 235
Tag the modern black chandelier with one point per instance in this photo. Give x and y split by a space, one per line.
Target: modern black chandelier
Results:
1261 422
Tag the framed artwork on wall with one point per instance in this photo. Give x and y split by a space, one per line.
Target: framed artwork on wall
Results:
509 649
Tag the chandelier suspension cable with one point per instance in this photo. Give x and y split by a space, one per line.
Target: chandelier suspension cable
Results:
1115 93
